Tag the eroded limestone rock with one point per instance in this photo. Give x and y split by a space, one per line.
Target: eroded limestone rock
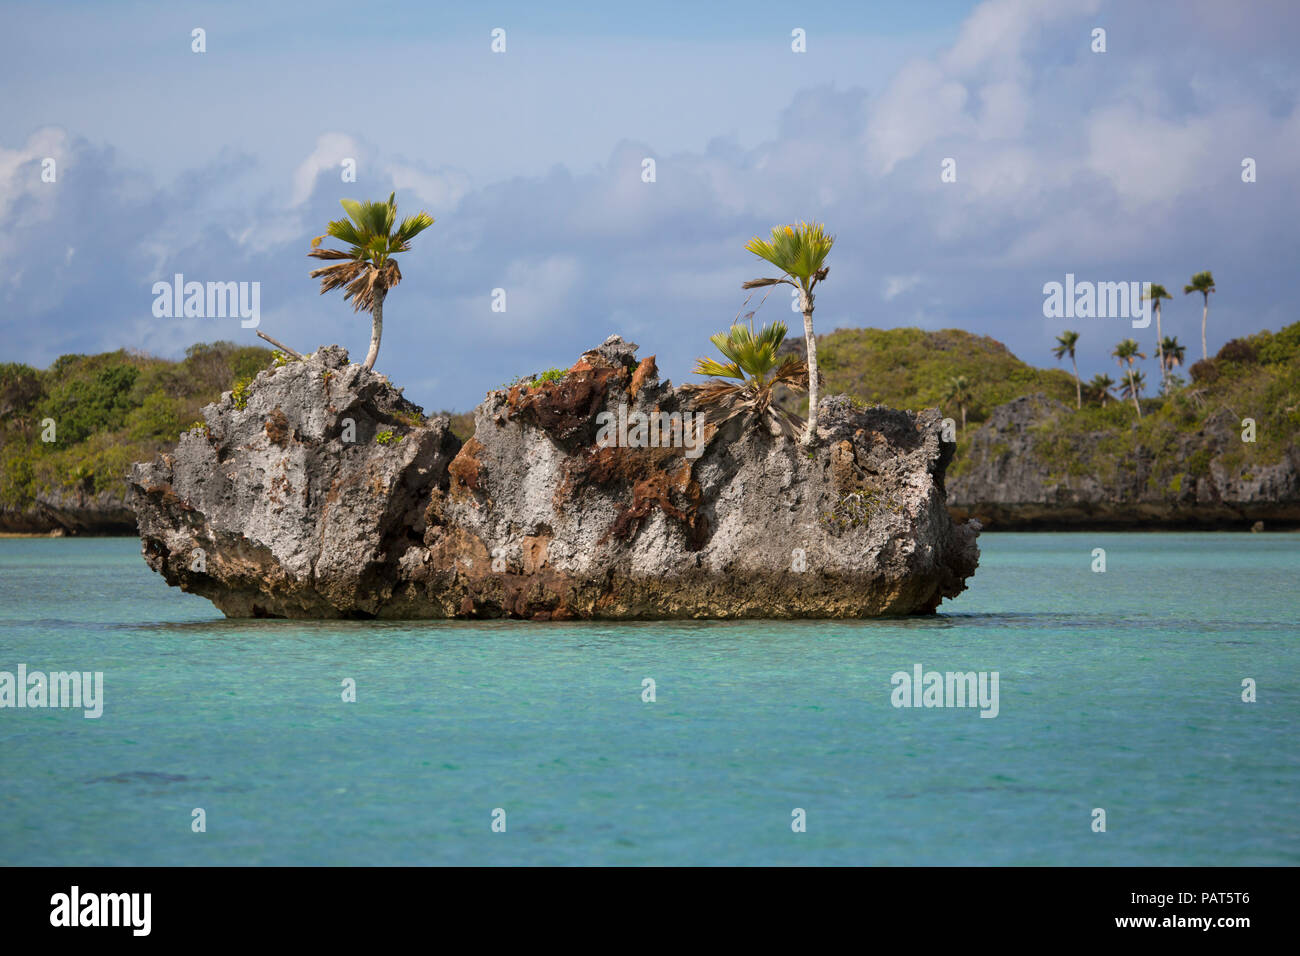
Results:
533 518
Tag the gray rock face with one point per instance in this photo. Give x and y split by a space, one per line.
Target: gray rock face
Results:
1014 480
72 511
552 510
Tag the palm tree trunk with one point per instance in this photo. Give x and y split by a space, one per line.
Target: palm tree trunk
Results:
1132 389
1160 347
376 330
1078 386
810 434
1205 314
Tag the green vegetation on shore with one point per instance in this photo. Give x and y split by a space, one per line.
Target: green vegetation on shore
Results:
108 411
913 368
1256 377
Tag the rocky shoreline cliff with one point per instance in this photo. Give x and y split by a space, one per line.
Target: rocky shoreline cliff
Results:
75 512
270 509
1023 470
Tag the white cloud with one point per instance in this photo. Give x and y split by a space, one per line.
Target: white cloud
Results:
1146 158
897 285
441 190
977 89
21 185
921 105
330 151
20 169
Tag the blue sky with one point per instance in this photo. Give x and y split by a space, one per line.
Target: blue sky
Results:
1115 166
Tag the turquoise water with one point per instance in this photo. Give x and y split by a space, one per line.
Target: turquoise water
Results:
1119 690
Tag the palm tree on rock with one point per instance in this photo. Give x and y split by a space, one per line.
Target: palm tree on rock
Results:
1125 353
1202 282
756 372
1155 294
1065 343
369 270
800 253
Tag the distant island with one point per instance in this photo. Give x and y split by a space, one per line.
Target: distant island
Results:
1219 451
1027 457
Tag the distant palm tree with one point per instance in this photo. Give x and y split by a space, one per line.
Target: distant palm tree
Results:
1202 282
752 360
1102 384
800 253
370 270
1155 294
1133 387
1173 352
1065 343
958 390
1125 353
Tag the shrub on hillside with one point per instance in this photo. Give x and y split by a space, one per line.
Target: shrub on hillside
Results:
157 418
20 388
1204 372
1281 346
1237 350
82 404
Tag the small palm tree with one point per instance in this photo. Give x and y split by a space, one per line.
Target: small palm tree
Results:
1202 282
1102 384
958 390
370 270
1125 353
1133 387
1173 352
1155 294
752 362
1065 343
800 253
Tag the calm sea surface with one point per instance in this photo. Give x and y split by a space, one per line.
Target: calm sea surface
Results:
1119 691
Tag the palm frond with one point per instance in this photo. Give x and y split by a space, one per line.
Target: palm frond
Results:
412 226
799 251
331 254
338 275
771 337
791 373
708 366
345 231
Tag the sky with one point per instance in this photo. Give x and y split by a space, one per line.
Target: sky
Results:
223 165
